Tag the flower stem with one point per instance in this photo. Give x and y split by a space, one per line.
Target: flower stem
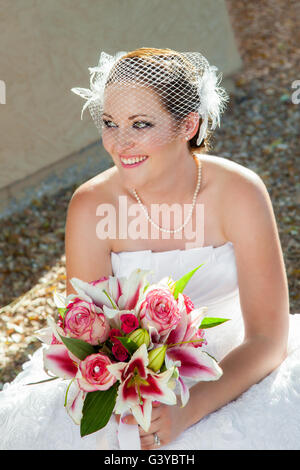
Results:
42 381
66 396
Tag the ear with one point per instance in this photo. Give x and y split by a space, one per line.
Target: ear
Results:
190 125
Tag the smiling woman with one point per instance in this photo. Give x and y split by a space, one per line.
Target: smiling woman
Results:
129 138
152 107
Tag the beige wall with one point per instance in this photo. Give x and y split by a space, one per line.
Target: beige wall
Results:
46 47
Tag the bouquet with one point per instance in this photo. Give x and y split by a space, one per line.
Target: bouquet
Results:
123 343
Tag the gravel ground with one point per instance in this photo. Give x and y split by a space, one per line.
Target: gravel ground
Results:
259 130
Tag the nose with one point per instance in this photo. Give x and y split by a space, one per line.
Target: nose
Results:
124 142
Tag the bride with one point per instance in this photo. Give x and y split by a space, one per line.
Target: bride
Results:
154 108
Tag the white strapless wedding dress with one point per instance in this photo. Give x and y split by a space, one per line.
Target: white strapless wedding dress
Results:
267 416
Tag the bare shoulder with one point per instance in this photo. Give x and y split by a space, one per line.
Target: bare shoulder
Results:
87 253
231 177
229 185
97 187
227 171
242 193
86 200
245 203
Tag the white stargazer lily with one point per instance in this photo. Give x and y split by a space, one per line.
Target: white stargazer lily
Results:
90 292
114 293
61 301
140 386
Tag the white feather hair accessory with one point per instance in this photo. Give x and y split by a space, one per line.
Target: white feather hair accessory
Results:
98 78
213 100
185 82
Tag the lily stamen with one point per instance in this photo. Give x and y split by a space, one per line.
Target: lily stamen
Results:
185 342
110 299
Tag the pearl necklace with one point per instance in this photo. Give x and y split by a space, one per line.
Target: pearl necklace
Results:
190 211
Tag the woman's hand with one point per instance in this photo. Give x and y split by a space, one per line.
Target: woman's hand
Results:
167 422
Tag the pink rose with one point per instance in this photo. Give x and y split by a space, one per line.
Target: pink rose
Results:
160 310
82 321
129 322
93 374
120 352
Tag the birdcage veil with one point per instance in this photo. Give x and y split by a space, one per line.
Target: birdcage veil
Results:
183 82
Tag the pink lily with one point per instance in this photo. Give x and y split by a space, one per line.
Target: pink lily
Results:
57 360
191 362
194 364
62 363
189 324
140 386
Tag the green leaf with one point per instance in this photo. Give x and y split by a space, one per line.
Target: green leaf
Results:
79 348
182 282
128 343
97 409
211 322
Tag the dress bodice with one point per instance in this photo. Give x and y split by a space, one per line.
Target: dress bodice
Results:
214 284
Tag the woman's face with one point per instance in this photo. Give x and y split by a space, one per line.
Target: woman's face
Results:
136 125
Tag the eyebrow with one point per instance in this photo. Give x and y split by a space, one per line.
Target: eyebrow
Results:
130 117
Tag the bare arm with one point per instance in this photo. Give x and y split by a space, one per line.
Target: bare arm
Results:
250 224
87 255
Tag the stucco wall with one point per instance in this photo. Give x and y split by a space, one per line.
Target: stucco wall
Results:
46 47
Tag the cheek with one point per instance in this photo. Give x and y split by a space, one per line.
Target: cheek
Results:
146 142
107 140
161 137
